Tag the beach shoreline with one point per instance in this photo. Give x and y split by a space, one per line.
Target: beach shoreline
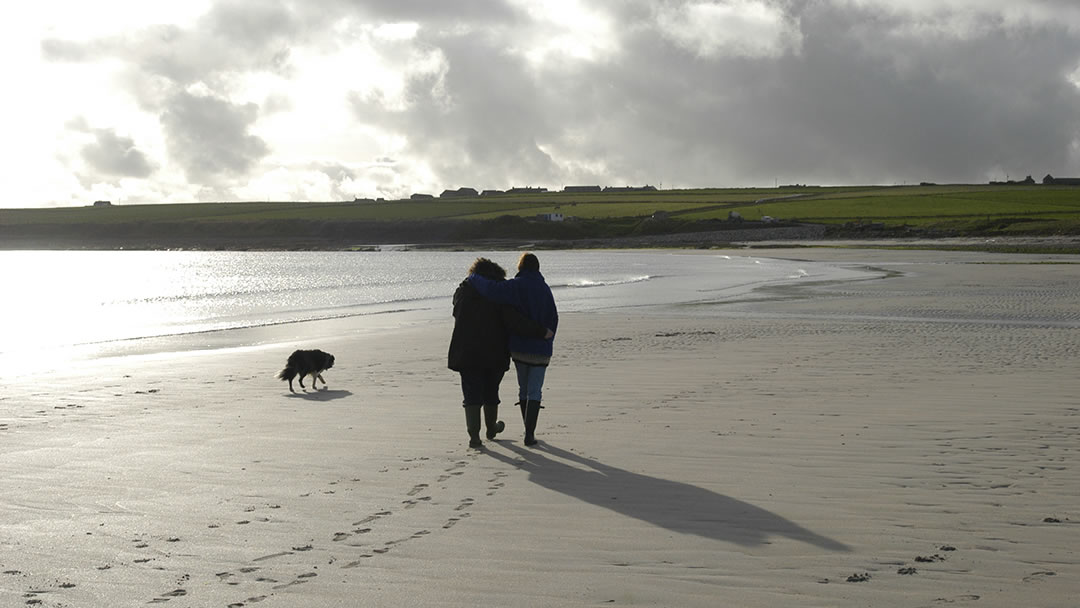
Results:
899 441
783 237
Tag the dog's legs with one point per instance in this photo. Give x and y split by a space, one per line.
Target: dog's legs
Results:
319 376
302 381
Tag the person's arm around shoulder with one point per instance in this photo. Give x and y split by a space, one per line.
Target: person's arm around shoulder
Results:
499 291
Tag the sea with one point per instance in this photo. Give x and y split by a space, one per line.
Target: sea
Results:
92 300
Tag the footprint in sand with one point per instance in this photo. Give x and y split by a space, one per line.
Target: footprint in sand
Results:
164 597
929 559
417 489
956 598
371 518
450 523
250 600
412 503
495 482
1038 576
300 579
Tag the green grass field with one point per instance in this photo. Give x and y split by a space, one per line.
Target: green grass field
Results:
1021 209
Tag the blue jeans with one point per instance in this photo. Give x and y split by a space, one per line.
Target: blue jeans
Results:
530 381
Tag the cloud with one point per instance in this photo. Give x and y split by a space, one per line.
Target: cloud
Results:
114 155
209 137
746 28
260 96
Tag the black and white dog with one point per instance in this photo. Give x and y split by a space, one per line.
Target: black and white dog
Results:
306 363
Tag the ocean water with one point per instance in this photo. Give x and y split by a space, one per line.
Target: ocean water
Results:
73 298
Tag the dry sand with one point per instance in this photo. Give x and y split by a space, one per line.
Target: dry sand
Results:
909 441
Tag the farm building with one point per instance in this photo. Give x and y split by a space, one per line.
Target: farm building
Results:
1050 180
460 192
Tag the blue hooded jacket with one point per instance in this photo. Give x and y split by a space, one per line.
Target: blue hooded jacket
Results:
530 294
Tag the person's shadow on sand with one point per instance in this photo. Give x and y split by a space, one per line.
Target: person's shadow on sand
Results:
673 505
323 395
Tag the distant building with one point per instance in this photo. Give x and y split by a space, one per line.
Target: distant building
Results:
363 200
103 203
490 192
460 192
582 189
528 190
421 197
1028 181
1050 180
630 189
552 217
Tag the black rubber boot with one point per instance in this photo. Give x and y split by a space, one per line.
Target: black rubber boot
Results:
532 412
492 422
472 424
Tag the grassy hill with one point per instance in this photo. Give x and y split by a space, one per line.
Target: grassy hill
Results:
953 210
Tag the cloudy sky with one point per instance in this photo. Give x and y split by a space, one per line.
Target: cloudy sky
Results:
143 101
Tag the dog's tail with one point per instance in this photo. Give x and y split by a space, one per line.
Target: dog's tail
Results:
287 374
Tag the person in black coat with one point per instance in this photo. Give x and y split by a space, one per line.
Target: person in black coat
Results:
479 349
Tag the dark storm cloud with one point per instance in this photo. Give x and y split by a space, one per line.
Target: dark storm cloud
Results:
856 103
863 102
116 156
861 95
209 137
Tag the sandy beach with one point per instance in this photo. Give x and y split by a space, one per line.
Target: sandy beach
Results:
908 440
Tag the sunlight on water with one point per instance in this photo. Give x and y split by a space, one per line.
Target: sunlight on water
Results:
67 298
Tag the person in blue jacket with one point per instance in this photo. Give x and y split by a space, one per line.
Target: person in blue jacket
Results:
530 294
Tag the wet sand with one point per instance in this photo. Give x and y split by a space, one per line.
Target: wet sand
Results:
910 440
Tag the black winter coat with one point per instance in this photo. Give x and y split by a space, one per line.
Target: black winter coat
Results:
481 329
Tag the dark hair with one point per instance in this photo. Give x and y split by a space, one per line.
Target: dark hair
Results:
487 269
528 261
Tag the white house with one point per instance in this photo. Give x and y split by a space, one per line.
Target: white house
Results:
552 217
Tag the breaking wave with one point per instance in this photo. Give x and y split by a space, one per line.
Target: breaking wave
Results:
605 283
